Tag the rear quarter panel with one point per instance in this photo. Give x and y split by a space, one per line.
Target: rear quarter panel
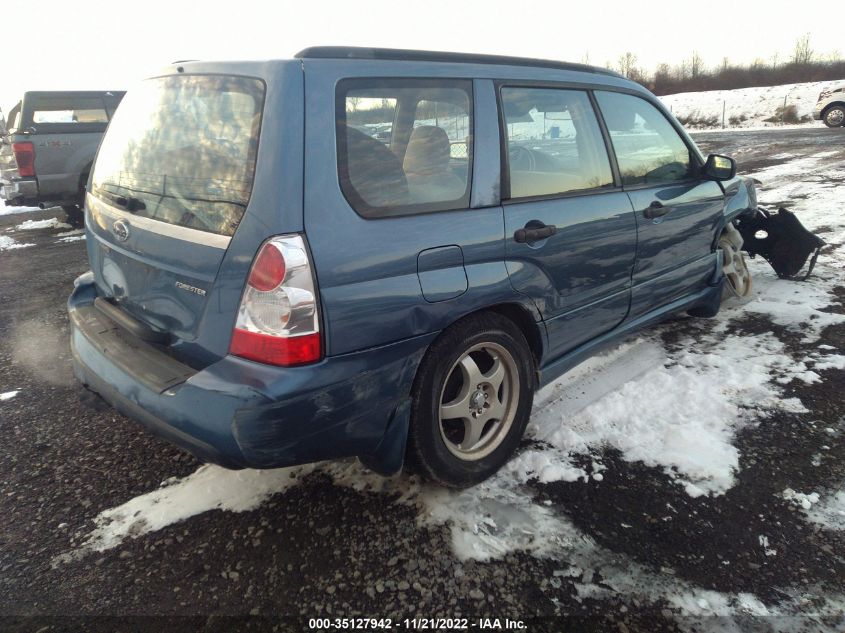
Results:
61 159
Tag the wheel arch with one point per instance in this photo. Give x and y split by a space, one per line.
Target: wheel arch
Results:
519 315
829 106
83 177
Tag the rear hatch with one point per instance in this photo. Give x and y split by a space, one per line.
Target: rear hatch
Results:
171 183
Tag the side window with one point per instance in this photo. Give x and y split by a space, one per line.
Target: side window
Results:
404 146
554 142
648 149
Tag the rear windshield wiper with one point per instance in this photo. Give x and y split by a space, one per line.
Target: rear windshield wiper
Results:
130 203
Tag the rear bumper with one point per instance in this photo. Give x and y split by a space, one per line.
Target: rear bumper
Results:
238 413
19 191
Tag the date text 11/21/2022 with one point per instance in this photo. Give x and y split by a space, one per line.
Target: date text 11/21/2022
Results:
421 624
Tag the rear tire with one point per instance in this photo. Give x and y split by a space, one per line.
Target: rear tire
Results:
834 116
75 215
471 401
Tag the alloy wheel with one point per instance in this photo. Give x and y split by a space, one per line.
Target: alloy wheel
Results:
478 401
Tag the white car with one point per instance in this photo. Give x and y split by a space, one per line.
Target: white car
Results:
830 107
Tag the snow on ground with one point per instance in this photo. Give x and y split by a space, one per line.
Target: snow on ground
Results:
71 233
32 225
209 488
4 210
7 243
754 104
627 398
74 238
829 512
9 395
676 409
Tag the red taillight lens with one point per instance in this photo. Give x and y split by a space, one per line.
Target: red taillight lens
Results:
25 157
268 271
278 322
275 350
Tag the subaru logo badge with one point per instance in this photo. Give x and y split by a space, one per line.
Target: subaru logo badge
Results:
121 230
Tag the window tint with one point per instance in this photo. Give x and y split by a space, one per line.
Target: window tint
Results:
648 149
404 146
554 142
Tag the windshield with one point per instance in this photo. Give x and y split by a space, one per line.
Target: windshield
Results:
182 150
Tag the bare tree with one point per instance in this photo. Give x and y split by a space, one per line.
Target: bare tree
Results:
628 64
696 65
803 53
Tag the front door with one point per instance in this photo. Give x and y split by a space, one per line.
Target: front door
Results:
570 235
678 213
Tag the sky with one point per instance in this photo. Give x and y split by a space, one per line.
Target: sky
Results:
95 44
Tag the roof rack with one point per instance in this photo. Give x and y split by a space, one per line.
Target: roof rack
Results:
398 54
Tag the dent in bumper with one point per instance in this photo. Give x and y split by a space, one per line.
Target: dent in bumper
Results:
238 413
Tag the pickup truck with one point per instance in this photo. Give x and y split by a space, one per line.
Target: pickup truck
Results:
47 147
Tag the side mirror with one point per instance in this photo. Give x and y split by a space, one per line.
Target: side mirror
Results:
719 167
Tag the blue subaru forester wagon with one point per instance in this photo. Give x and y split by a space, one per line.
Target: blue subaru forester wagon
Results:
384 254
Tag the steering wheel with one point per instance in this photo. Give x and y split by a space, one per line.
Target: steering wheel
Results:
521 158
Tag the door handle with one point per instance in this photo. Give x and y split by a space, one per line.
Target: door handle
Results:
534 232
655 210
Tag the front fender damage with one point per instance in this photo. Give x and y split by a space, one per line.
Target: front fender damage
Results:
780 239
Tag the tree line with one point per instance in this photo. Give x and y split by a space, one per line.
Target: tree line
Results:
691 75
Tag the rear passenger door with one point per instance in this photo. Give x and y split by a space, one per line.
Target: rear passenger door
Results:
570 232
678 213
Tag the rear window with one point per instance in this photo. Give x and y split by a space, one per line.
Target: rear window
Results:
182 150
63 110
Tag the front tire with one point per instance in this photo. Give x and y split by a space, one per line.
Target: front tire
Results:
471 401
75 215
738 281
834 116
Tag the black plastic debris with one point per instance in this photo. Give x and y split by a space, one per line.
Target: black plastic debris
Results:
781 240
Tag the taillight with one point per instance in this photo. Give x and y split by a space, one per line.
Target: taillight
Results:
25 157
278 322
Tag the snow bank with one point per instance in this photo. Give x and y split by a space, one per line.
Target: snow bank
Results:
752 105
